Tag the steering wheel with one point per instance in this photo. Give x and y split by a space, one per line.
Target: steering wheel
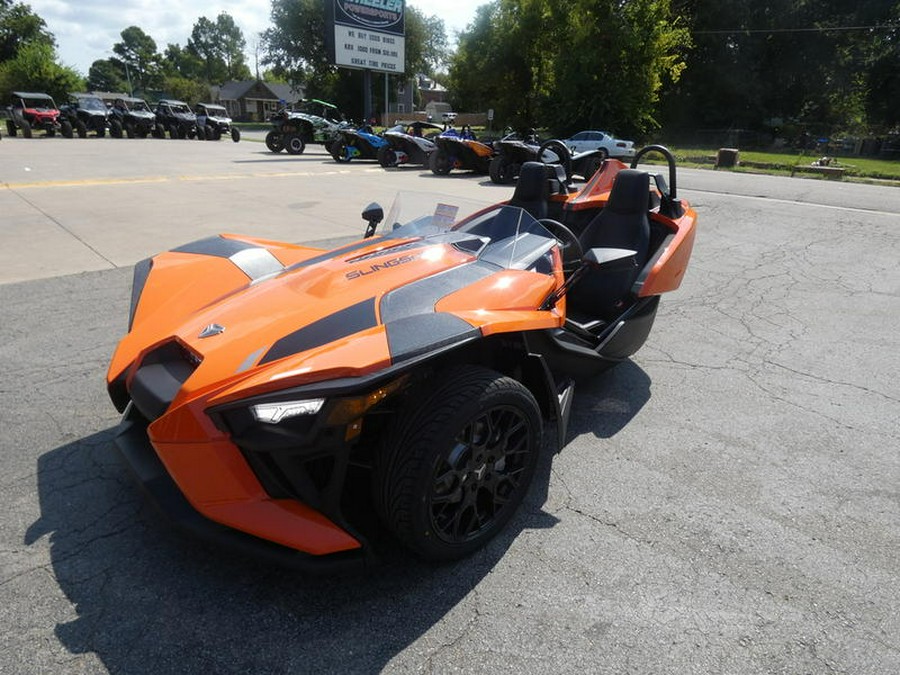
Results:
569 245
561 151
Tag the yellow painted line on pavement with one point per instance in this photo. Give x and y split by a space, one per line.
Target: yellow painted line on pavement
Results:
95 182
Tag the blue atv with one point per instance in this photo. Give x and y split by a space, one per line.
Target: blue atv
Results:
362 143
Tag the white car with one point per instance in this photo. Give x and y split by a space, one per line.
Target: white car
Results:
604 141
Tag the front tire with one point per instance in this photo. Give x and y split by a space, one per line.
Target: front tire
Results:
294 144
235 134
499 171
26 129
81 129
339 152
454 470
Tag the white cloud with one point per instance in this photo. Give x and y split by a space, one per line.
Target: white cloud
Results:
86 30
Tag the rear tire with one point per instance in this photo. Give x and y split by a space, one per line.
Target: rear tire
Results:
387 157
11 129
129 130
275 141
455 468
201 133
81 129
115 130
439 163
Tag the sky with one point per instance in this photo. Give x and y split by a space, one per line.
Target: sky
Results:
86 30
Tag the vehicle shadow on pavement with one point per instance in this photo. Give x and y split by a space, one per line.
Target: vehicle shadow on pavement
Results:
151 600
604 405
285 159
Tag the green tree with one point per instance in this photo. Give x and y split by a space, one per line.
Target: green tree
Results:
427 51
107 75
189 91
181 62
138 51
568 65
219 46
35 68
812 67
19 25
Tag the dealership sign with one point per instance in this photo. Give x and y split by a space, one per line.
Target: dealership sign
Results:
367 34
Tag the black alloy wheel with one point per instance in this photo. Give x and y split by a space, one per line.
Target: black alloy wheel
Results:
456 468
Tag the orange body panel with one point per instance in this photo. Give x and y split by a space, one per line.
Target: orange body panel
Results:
506 290
595 193
219 484
670 266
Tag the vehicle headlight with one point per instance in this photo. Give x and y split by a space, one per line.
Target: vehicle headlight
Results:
274 413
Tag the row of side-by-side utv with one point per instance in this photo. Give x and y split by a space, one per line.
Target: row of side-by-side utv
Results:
130 117
421 143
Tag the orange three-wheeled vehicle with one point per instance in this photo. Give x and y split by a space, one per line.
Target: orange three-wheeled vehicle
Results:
276 396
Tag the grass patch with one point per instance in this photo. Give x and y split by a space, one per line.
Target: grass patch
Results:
793 163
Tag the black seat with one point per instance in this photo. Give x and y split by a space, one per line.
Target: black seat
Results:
622 224
532 190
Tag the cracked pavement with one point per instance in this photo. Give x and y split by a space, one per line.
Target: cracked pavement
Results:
727 502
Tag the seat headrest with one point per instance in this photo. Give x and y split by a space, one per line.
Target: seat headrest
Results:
630 192
532 183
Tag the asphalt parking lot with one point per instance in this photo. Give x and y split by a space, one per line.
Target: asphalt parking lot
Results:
727 501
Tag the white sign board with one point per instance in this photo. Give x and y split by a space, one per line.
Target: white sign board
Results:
367 34
356 47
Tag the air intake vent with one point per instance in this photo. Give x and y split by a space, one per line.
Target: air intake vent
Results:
159 378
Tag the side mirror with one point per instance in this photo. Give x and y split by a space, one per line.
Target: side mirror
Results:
372 214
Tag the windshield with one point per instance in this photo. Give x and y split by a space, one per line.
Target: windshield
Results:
92 104
39 103
140 106
506 236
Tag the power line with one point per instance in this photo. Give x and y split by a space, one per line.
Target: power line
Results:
816 29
